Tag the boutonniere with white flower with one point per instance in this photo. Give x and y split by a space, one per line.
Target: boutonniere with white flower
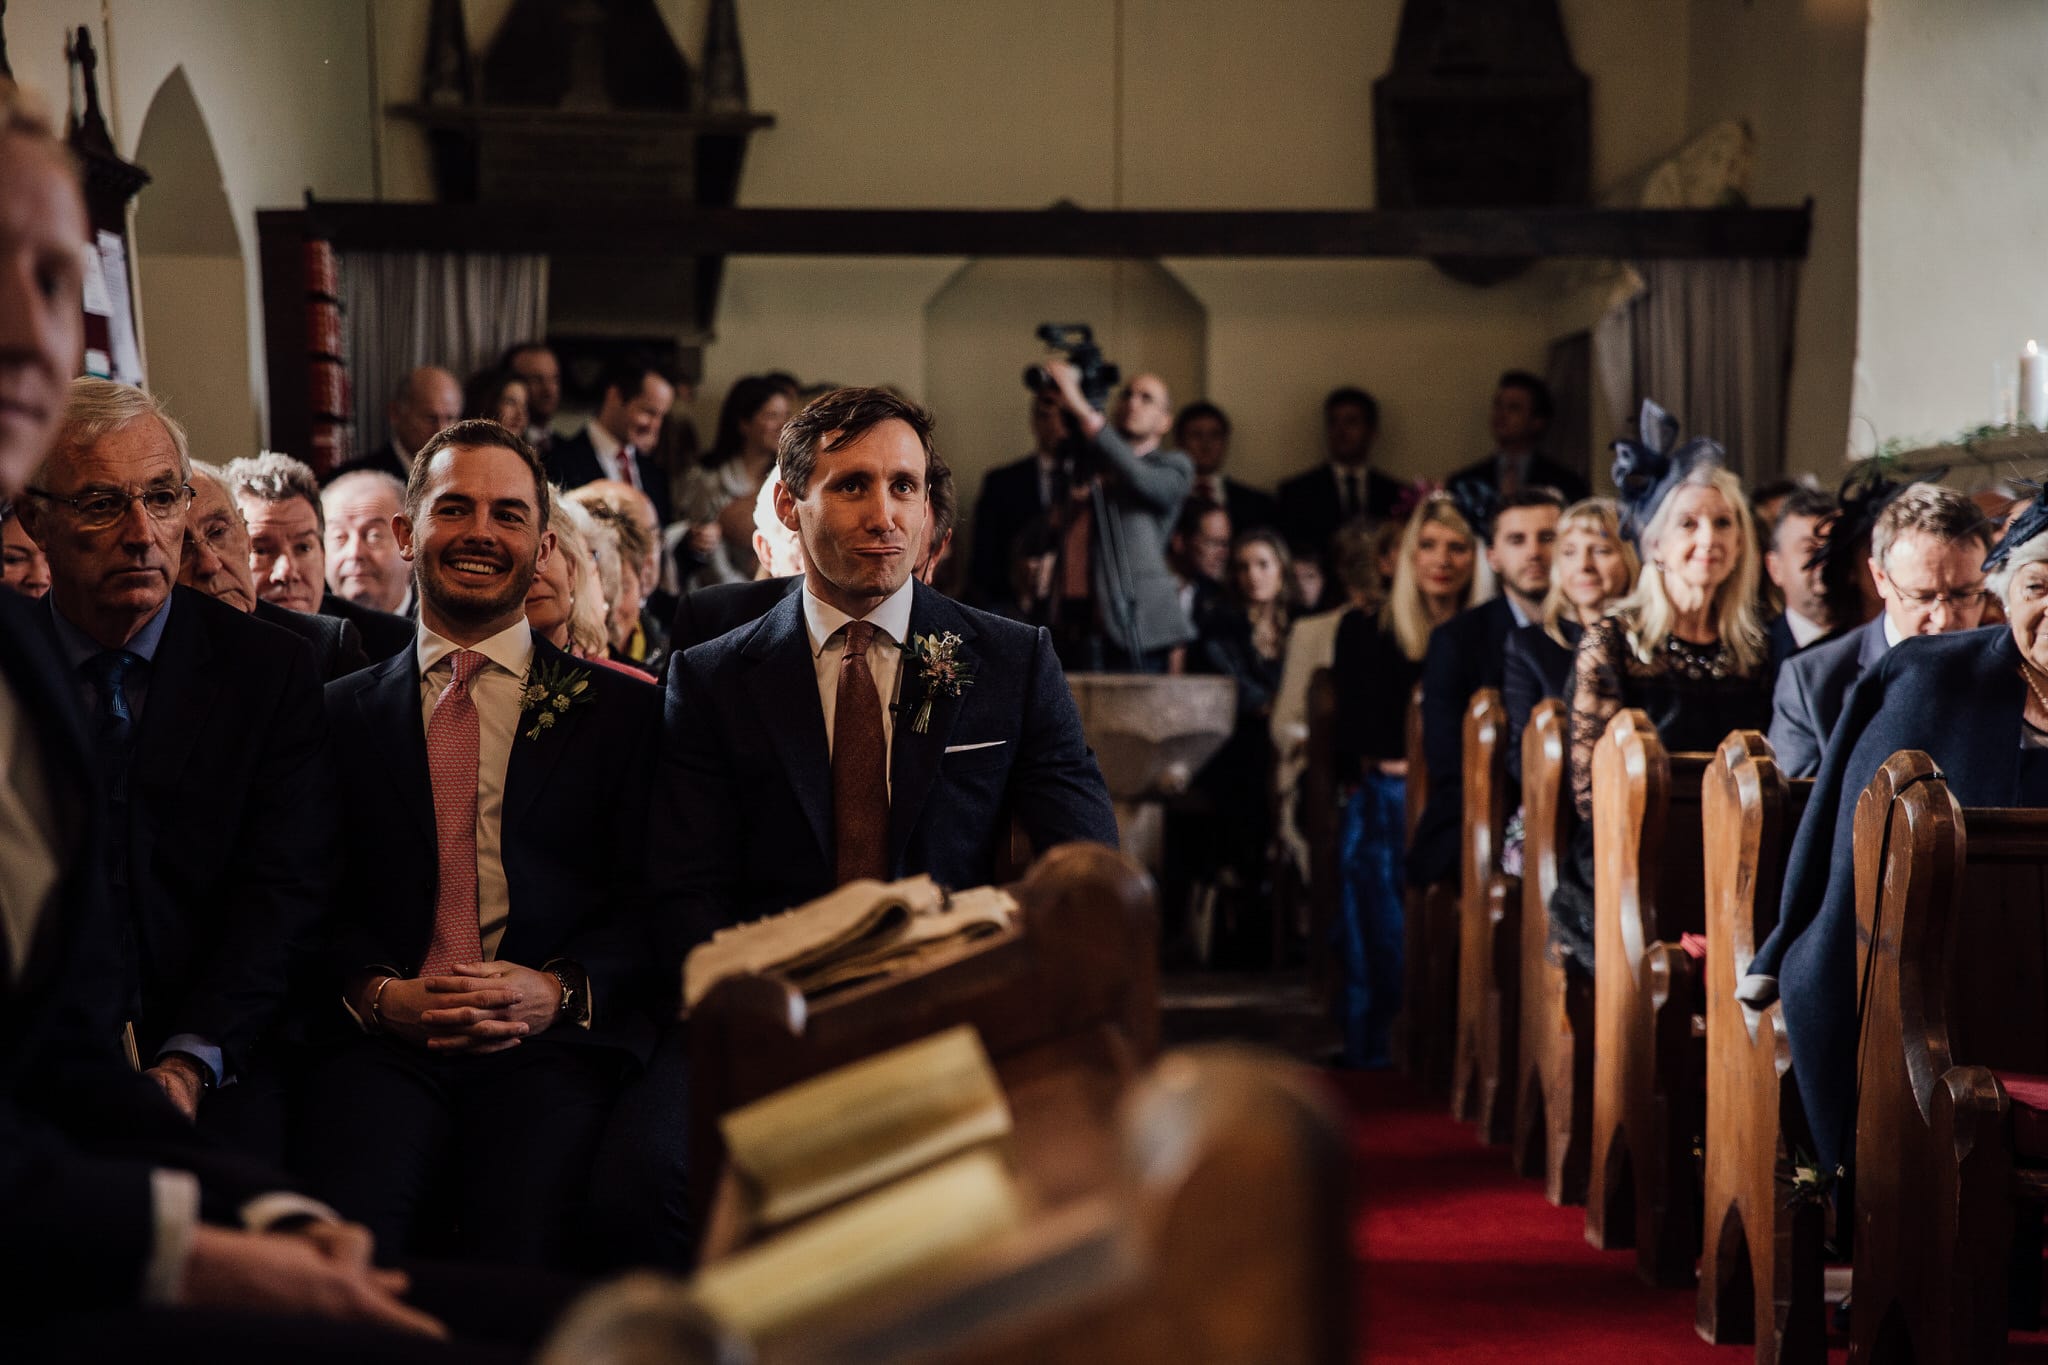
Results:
551 689
944 673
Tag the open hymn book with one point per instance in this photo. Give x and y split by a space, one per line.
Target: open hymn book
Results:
865 929
849 1131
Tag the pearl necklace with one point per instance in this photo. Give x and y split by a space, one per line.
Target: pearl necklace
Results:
2027 675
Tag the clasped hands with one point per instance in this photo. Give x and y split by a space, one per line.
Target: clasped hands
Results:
478 1007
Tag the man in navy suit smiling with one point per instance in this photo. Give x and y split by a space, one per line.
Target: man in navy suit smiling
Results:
867 726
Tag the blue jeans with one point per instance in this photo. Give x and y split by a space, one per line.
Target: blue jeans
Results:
1369 927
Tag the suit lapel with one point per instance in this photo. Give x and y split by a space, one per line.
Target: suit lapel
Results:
784 684
533 760
913 757
390 704
183 690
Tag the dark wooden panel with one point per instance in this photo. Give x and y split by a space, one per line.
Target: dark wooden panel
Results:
1281 233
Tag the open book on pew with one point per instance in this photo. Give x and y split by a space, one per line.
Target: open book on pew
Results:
864 930
852 1130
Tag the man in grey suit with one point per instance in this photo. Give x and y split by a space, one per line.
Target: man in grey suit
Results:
1104 586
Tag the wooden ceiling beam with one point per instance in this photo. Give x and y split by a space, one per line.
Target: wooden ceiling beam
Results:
1557 234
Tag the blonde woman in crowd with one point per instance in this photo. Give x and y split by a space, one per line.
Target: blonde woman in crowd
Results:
1437 574
567 606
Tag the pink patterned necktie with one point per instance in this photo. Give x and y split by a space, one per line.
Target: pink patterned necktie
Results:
451 767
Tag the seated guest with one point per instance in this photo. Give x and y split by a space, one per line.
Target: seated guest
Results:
1378 662
1848 593
1310 586
280 503
1202 431
1686 646
741 460
541 372
1594 567
1792 561
1345 486
1466 655
638 636
1767 502
496 396
210 741
1199 553
566 605
1973 702
22 566
786 770
489 947
1520 419
363 563
426 400
618 443
1015 497
1925 557
216 562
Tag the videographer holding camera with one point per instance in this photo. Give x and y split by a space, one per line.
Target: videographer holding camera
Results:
1100 580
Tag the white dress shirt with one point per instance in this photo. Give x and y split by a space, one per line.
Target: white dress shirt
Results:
1804 632
826 625
495 689
611 454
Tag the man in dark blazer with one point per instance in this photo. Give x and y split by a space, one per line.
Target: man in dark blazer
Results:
383 634
1467 653
426 400
1926 557
212 748
1013 497
1203 431
1346 486
491 984
766 798
216 562
1520 418
619 442
709 612
1792 562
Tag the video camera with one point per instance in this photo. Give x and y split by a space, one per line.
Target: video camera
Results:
1077 340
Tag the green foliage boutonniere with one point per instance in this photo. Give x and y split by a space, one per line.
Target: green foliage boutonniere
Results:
944 673
551 689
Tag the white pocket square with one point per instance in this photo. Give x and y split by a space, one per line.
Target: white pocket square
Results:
985 744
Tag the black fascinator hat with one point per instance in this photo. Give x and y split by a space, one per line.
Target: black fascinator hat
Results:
2030 523
1648 468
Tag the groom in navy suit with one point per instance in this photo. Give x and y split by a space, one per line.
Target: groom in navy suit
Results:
867 726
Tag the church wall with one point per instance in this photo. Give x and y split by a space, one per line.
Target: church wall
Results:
1954 276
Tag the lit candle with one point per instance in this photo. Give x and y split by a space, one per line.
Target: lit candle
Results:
2034 386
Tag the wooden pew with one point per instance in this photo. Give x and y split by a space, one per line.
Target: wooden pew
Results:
1489 943
1761 1261
1427 1027
1079 976
1649 1059
1952 1114
1146 1250
1554 1103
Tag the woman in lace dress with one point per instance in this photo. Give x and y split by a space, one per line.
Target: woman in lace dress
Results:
1378 662
1687 647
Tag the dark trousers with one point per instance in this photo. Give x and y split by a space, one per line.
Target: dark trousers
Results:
639 1185
503 1142
1369 925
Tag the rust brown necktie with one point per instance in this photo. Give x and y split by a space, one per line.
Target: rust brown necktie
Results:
860 765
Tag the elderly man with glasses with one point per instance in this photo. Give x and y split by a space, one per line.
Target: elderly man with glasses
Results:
210 740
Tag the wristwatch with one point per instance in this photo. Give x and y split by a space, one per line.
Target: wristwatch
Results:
575 1004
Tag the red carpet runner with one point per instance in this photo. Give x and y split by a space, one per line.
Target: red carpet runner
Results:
1462 1260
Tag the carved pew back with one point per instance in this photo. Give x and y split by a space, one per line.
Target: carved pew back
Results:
1554 1109
1489 918
1083 966
1761 1262
1429 1005
1951 1141
1648 1061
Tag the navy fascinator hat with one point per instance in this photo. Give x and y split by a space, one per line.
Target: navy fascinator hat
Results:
2027 525
1647 469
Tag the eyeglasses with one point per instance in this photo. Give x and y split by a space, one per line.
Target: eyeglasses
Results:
98 508
1961 597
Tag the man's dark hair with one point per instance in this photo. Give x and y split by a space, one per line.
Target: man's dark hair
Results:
1541 405
628 374
945 498
1776 488
1352 396
1930 510
1803 502
476 432
846 415
1535 495
1192 513
520 348
1195 412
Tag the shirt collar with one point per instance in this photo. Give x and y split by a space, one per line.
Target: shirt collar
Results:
603 442
78 646
1891 632
510 649
1804 631
822 620
1522 618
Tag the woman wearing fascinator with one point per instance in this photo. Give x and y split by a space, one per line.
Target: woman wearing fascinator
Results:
1686 646
1976 702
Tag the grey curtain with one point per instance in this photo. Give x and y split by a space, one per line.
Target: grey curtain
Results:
404 309
1712 342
